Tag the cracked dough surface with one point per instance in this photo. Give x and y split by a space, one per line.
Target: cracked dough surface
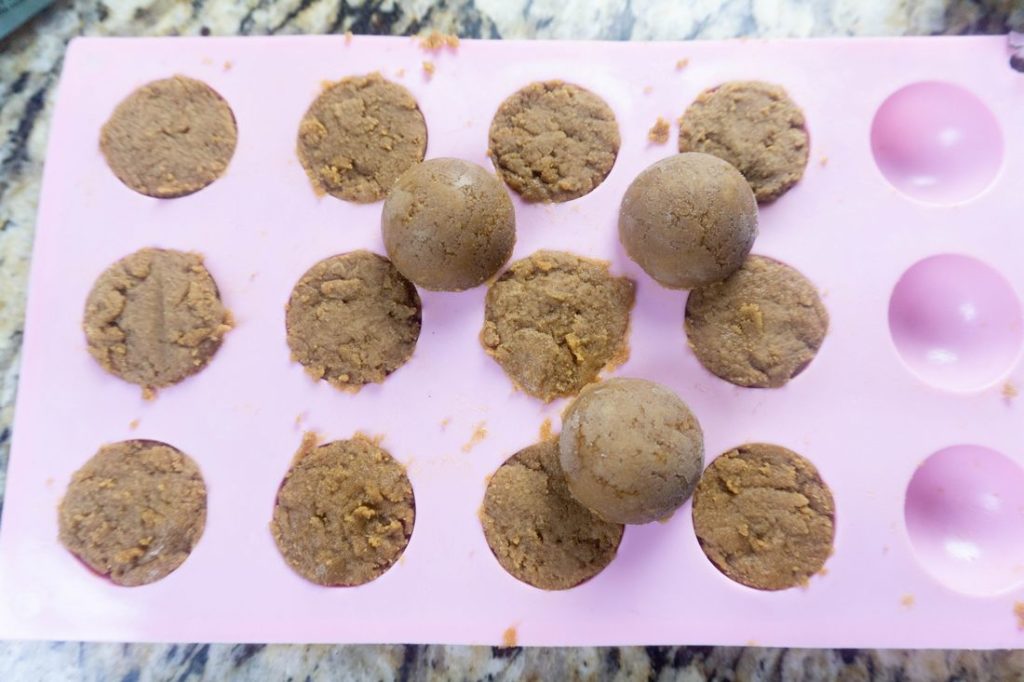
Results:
553 141
359 135
760 327
631 450
688 220
764 517
756 127
344 513
448 224
155 317
170 138
134 511
353 319
554 320
538 532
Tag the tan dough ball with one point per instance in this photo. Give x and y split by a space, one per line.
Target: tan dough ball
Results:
688 220
448 224
631 450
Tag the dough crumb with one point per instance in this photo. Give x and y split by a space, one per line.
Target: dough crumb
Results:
658 134
428 68
682 64
299 418
1009 391
907 600
148 393
228 65
400 73
436 40
49 481
823 161
510 637
1018 611
348 37
445 422
648 89
545 429
479 433
133 424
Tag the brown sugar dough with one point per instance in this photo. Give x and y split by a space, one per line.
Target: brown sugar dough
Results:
155 317
688 220
554 320
344 513
536 530
756 127
631 450
448 225
760 327
170 138
359 135
353 319
764 517
134 511
553 141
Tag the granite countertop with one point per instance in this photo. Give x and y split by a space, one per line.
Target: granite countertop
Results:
30 64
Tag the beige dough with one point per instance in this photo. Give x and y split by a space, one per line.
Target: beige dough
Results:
553 321
760 327
170 138
359 135
134 511
553 141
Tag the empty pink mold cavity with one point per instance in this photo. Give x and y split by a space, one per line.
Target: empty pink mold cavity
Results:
956 322
937 142
964 512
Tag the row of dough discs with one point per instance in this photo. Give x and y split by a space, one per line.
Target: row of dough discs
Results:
552 517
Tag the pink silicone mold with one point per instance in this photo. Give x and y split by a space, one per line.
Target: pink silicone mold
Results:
906 219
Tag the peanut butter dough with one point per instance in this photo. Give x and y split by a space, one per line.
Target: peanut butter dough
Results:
553 141
554 320
344 513
134 511
631 450
353 319
359 135
538 532
448 225
760 327
754 126
688 220
764 517
170 138
155 317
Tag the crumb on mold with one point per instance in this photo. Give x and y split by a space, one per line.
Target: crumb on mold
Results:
429 68
435 40
907 600
479 433
1018 611
658 134
545 429
682 64
510 637
133 424
1009 391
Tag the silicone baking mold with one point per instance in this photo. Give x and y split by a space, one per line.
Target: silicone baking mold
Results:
907 220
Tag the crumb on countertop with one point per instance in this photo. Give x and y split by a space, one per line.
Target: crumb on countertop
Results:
648 89
228 64
907 600
510 637
445 422
1018 611
658 134
400 73
479 433
148 393
428 68
1009 391
823 161
348 37
435 40
133 424
682 64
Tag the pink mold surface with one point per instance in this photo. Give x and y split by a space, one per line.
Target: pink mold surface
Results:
907 219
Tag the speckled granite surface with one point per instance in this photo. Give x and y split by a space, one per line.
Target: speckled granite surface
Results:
30 63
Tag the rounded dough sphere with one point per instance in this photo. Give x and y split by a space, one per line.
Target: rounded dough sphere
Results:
688 220
631 450
448 225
